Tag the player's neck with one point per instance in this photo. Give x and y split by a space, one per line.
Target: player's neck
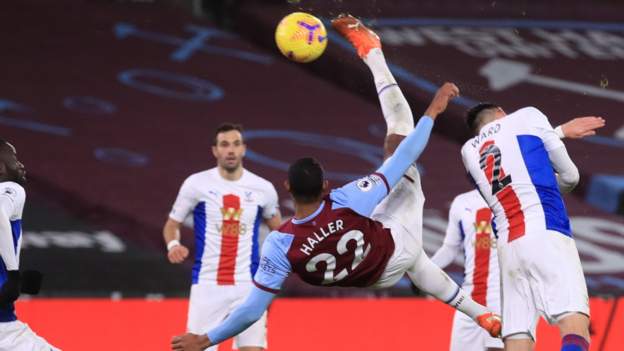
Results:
304 210
231 176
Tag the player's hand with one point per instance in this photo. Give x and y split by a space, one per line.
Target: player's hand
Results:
581 127
492 323
177 254
440 101
190 342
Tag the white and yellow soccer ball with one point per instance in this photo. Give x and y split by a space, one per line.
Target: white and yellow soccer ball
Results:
301 37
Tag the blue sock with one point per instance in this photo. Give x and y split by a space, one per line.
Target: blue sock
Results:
573 342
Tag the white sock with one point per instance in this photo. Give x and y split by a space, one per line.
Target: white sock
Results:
431 279
396 111
466 304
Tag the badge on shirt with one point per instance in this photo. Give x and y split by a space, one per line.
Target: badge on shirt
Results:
366 184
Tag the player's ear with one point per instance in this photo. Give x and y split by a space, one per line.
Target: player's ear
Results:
287 185
325 185
214 150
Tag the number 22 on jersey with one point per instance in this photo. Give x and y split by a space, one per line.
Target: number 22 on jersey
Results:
360 254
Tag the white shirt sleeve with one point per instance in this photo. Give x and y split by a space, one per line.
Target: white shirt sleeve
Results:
545 131
12 197
271 207
567 173
184 203
453 239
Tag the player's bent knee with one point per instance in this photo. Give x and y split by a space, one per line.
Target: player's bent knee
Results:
519 342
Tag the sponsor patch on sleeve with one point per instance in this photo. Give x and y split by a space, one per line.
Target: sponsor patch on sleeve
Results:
367 183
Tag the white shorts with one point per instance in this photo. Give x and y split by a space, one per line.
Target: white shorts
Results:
209 305
401 211
541 274
17 336
467 335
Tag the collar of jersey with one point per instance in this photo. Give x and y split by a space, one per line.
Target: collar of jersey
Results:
310 217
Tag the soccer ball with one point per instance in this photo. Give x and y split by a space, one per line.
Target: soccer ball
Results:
301 37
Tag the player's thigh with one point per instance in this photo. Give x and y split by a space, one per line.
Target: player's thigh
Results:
407 250
519 311
208 306
557 281
256 334
404 204
17 336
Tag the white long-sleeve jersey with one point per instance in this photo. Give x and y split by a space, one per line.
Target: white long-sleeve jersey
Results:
513 162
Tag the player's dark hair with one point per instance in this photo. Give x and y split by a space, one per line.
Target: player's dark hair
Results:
474 115
305 177
226 127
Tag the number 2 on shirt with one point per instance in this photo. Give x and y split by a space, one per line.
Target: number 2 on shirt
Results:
490 163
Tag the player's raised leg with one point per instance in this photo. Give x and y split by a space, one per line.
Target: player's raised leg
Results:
406 200
396 111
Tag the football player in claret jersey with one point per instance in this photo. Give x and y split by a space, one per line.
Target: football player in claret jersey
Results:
14 335
469 230
228 203
367 233
520 166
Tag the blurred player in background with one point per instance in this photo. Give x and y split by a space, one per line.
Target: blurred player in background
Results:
520 166
14 335
367 233
228 204
470 231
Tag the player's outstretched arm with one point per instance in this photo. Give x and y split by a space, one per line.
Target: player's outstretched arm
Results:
414 144
240 319
580 127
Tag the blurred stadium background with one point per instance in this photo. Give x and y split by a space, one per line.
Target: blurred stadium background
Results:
111 104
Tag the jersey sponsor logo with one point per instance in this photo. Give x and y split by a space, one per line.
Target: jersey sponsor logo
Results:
230 232
483 245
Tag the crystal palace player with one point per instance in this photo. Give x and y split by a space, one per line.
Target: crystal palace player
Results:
358 235
520 166
228 203
14 335
470 231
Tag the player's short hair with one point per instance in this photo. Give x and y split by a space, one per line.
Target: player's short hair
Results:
305 177
474 115
226 127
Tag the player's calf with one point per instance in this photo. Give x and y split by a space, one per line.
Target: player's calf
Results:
574 329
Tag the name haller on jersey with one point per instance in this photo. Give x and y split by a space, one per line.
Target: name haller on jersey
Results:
314 239
485 134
